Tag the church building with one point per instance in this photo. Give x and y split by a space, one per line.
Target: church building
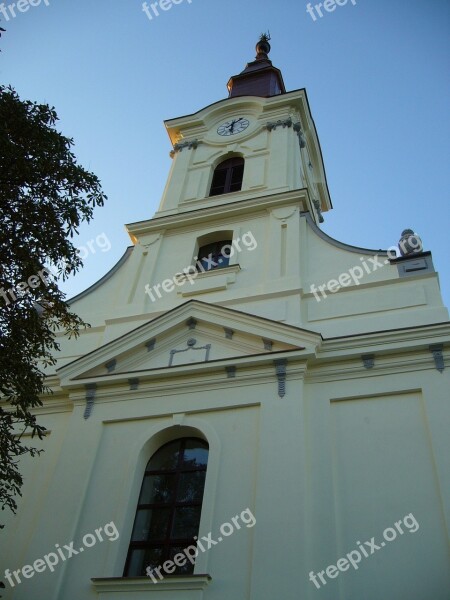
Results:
258 411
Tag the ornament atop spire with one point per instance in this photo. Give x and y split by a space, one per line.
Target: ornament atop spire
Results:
263 46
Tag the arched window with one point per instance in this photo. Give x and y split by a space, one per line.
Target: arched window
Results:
170 503
227 176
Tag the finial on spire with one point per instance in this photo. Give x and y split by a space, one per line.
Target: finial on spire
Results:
263 46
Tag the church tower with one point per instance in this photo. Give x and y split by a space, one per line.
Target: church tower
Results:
257 408
248 164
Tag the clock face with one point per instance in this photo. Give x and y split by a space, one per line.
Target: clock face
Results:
233 127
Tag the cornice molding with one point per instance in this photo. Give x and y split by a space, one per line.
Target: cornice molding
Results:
384 365
225 211
255 370
200 373
405 339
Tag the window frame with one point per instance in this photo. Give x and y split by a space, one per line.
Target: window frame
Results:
217 247
227 167
168 542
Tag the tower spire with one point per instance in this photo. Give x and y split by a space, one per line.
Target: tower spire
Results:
260 77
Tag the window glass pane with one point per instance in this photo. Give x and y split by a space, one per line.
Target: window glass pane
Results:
206 250
165 458
220 176
218 182
151 524
188 567
222 261
186 522
208 256
190 487
157 488
224 253
236 178
225 248
153 557
141 558
207 264
195 454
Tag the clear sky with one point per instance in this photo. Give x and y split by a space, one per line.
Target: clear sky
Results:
376 74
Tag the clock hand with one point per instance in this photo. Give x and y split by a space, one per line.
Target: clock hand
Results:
236 122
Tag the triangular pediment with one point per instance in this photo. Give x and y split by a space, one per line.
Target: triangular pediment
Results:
192 334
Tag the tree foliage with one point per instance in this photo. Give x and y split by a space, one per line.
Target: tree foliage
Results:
44 196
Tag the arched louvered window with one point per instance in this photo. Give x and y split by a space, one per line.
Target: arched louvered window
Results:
227 176
170 503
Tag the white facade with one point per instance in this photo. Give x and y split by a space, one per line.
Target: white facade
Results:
326 413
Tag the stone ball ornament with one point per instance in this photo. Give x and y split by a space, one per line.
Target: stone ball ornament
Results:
410 243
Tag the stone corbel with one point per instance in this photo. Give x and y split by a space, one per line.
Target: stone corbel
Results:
110 366
134 383
191 323
231 372
268 344
280 370
319 212
150 345
301 138
436 351
368 360
91 389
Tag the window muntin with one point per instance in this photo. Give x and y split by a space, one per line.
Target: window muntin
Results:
227 176
169 508
215 255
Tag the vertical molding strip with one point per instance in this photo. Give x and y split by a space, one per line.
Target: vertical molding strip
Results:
91 389
280 369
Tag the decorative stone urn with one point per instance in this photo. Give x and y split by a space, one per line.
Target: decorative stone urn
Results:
410 243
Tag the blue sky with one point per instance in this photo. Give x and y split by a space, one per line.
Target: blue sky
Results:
376 74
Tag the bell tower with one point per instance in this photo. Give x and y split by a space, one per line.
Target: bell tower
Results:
260 142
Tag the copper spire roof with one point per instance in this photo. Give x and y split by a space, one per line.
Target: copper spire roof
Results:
260 77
